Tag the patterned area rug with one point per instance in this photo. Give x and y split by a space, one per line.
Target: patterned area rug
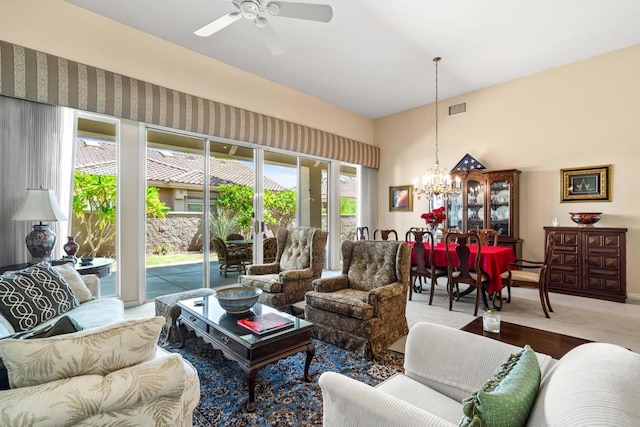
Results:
283 398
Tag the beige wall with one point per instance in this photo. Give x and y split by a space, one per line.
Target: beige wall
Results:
583 114
62 29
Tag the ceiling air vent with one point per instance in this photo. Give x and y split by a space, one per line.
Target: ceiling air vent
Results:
457 109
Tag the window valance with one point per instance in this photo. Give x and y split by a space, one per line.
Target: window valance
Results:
36 76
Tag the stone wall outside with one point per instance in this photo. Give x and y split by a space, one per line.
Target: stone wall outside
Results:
181 232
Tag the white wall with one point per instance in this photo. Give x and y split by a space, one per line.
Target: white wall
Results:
583 114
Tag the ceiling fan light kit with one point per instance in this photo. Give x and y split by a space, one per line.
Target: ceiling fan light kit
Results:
249 9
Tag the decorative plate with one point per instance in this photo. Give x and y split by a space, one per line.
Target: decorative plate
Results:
503 212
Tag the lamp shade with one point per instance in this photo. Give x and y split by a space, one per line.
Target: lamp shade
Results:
39 205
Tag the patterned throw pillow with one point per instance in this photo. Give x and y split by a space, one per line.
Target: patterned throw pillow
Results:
64 325
92 351
33 296
506 399
75 282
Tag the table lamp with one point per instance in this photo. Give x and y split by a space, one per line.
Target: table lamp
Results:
40 205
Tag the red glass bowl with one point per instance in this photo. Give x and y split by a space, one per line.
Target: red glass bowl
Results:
585 219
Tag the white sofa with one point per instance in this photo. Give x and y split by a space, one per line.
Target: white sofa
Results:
163 389
593 384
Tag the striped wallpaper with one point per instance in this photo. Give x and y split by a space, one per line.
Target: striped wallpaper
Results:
40 77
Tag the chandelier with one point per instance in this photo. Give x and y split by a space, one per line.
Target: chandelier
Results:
436 181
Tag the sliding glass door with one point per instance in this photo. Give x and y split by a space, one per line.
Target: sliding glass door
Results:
176 207
93 213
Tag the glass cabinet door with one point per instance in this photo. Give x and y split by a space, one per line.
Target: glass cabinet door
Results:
500 206
454 211
475 204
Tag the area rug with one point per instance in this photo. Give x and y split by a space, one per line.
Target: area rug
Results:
283 398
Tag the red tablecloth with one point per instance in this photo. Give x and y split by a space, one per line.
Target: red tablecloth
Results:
493 260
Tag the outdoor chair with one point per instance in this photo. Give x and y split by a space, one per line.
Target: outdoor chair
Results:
248 254
363 310
299 260
269 250
230 258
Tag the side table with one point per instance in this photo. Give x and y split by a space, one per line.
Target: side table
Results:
101 267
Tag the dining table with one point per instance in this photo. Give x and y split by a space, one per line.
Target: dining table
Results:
493 260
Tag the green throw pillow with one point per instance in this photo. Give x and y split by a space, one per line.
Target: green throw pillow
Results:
506 399
64 325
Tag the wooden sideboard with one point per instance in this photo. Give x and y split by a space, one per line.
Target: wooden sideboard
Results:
589 262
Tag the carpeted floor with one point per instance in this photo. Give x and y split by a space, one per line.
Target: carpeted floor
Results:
283 398
587 318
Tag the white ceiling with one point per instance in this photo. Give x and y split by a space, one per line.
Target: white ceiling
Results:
375 56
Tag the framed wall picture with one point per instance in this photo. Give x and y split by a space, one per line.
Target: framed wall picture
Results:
590 184
401 198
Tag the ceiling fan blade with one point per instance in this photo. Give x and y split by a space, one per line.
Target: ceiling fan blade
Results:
271 39
218 24
309 11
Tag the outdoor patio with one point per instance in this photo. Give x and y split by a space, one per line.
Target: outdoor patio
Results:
168 279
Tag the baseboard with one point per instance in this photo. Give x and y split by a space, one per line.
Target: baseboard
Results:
633 297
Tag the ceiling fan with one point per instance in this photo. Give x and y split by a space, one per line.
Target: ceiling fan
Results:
253 11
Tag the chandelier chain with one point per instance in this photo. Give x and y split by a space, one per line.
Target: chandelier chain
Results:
436 181
436 60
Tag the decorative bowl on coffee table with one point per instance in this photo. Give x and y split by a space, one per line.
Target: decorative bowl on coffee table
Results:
237 299
585 219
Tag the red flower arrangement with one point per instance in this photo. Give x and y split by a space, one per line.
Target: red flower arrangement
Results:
435 217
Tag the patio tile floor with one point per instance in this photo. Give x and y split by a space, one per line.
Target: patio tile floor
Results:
168 279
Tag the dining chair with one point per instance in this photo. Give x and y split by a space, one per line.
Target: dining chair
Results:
528 273
360 233
409 237
487 236
385 234
448 230
421 270
462 272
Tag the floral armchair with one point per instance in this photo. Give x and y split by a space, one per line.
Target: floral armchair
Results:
363 310
299 261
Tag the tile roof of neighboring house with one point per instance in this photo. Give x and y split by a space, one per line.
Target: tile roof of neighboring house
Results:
347 186
99 157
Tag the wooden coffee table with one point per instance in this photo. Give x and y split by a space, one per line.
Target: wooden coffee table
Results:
208 320
551 343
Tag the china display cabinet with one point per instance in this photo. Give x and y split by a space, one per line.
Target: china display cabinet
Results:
487 199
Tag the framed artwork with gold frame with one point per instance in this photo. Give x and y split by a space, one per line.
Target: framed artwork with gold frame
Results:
588 184
401 198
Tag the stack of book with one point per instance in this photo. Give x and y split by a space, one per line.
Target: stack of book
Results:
266 323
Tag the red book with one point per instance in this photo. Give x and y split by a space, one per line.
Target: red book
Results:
265 323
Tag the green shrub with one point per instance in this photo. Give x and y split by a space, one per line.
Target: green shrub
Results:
162 249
